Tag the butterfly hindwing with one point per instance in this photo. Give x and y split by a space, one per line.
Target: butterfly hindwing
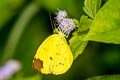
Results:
53 56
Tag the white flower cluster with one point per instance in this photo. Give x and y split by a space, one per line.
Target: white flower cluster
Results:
66 25
61 15
9 69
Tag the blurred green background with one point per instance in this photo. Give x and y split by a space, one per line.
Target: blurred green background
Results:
24 24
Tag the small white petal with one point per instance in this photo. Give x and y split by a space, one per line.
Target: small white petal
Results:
60 15
67 25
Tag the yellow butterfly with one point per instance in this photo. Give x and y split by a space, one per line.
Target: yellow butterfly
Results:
54 55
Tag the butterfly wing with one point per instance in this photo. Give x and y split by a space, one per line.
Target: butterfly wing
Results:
53 56
62 56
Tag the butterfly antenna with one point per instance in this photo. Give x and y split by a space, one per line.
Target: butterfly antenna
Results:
52 24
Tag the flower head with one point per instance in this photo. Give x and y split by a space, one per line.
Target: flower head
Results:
67 25
60 15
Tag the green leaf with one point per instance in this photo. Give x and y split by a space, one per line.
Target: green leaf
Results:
76 22
77 45
85 23
91 7
106 25
106 77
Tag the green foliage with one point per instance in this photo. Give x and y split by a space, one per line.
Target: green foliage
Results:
91 7
106 26
77 44
85 23
8 9
106 77
77 23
